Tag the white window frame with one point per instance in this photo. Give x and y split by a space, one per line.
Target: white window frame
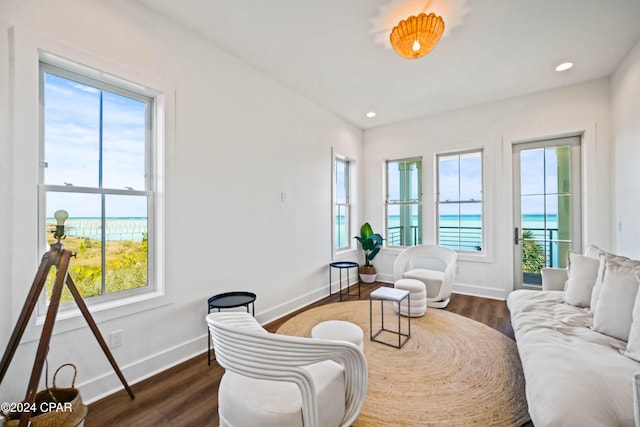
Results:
417 202
348 244
483 239
155 186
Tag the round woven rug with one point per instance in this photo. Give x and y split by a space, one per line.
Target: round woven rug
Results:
453 371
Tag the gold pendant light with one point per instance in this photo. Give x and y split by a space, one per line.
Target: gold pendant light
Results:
417 35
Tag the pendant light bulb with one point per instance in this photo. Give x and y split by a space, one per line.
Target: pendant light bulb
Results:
61 216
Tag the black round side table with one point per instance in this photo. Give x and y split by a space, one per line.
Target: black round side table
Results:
341 265
230 300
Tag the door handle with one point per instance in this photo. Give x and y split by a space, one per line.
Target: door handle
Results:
516 237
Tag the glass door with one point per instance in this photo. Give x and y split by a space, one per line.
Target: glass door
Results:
547 206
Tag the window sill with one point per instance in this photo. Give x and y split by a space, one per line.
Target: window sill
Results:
474 257
462 256
344 254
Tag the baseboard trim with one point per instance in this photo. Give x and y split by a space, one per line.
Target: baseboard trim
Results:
480 291
107 384
462 288
287 307
104 385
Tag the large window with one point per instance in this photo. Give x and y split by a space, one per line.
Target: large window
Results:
97 164
460 218
342 216
404 202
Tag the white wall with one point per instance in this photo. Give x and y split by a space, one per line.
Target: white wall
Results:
5 180
494 127
625 116
235 140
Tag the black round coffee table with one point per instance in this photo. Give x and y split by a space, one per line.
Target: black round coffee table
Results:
230 300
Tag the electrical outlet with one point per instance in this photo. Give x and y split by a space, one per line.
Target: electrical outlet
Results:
115 339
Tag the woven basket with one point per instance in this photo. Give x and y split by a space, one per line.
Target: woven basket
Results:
72 412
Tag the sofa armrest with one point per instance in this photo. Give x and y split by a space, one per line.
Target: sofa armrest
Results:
553 279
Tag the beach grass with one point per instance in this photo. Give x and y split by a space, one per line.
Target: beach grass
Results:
126 266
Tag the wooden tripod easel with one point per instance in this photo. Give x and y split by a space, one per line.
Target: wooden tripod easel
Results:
59 257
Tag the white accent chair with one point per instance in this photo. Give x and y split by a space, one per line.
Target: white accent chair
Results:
280 380
433 265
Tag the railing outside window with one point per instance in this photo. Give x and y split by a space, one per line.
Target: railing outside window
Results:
395 236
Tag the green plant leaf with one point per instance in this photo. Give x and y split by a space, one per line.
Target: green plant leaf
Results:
377 238
371 242
366 230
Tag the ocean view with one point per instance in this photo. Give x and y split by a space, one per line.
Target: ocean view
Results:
464 232
537 223
116 228
136 228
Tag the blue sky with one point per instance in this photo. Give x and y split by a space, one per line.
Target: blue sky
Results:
72 155
539 176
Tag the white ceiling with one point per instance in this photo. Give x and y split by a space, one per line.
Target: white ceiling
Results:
336 52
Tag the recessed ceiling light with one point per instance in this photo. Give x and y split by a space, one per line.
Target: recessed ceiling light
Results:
564 66
371 114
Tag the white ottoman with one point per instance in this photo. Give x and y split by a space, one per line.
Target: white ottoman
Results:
338 330
417 295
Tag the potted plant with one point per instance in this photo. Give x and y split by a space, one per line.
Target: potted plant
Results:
371 243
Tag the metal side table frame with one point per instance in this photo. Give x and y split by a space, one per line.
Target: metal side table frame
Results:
395 295
341 265
229 300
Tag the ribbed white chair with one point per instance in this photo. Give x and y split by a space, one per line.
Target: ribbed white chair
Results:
433 265
281 380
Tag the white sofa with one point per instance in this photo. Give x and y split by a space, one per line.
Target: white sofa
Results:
579 342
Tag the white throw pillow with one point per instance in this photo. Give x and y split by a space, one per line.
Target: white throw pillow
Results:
594 252
633 346
604 257
613 314
582 274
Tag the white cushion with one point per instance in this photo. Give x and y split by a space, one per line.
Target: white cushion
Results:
604 257
338 330
411 285
633 346
426 263
583 271
418 296
432 279
418 305
244 401
417 310
613 314
593 251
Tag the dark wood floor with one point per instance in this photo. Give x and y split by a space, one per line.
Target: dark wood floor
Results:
187 394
